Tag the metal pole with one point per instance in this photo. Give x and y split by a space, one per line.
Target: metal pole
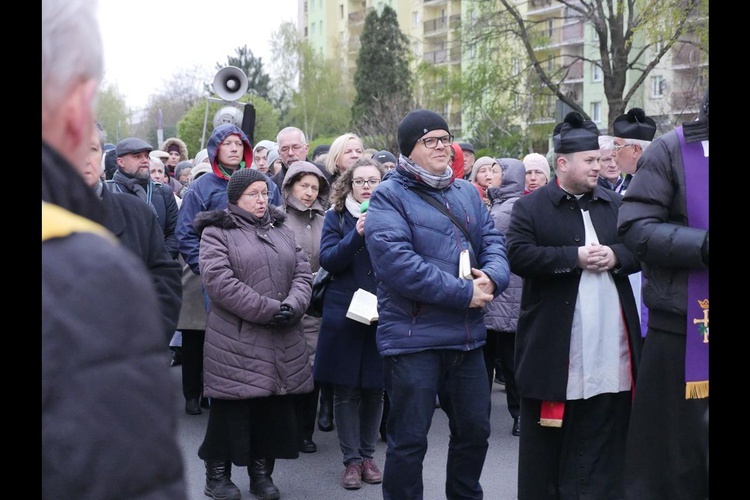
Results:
205 119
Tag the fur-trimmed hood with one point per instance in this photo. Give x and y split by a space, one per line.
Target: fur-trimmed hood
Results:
225 219
181 144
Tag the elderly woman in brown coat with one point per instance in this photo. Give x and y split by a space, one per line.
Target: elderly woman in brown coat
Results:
256 360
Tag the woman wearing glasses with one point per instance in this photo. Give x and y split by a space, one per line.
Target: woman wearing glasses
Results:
256 360
347 356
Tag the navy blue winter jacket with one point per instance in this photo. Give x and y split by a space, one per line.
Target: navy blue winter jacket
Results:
422 303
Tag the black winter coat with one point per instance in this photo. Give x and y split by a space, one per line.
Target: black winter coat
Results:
135 224
108 421
164 204
546 228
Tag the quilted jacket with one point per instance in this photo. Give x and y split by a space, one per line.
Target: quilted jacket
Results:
248 270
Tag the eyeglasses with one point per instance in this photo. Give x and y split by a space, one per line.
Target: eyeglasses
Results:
619 147
431 142
255 196
294 147
369 182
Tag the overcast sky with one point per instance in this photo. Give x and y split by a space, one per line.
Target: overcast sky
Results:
147 41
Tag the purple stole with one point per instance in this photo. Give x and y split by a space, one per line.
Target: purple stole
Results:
696 342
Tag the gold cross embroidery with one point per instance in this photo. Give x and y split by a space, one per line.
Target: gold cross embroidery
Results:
703 322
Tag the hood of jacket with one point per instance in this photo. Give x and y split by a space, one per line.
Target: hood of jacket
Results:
514 180
217 137
174 140
294 172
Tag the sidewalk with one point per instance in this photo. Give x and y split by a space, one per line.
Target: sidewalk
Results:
317 476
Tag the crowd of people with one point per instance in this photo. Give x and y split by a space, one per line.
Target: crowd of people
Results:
214 254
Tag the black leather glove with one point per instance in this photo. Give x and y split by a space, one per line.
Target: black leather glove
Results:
284 316
704 250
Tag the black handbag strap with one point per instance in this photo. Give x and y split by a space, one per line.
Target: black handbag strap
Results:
432 201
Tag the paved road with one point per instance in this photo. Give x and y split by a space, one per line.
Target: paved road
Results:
317 476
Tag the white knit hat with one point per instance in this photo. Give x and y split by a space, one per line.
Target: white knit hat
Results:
201 156
535 161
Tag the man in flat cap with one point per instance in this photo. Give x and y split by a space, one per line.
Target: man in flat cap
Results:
575 358
133 176
633 132
469 158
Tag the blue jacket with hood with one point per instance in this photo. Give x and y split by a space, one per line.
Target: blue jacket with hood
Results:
414 248
209 192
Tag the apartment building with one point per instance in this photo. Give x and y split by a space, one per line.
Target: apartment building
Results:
671 94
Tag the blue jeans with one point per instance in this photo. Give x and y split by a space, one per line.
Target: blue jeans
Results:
357 413
412 382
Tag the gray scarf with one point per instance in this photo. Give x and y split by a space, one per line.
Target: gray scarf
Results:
434 181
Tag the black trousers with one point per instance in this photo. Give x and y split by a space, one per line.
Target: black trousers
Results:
306 407
192 363
501 345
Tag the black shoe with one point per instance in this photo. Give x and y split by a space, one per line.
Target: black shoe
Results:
193 406
261 483
219 485
308 446
205 403
499 379
516 431
325 416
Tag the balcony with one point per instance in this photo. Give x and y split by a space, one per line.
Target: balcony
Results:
686 100
441 25
357 18
543 37
572 33
687 56
539 6
443 56
575 72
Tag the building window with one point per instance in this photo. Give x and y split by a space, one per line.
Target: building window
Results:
415 18
312 29
596 112
341 11
658 86
596 72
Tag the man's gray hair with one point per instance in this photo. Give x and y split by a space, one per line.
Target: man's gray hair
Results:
286 130
71 47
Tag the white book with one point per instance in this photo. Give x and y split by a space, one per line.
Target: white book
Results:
363 307
464 266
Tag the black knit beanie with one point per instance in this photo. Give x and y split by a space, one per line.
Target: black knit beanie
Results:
416 124
240 180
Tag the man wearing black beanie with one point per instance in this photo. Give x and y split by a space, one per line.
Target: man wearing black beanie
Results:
421 223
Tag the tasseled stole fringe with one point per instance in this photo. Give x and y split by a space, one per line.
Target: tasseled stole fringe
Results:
696 390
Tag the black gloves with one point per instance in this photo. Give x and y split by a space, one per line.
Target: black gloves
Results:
284 316
704 250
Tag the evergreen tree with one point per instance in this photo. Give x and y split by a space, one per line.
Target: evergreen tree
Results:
382 81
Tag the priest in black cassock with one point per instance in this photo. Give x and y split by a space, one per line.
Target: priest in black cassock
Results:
664 216
578 339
